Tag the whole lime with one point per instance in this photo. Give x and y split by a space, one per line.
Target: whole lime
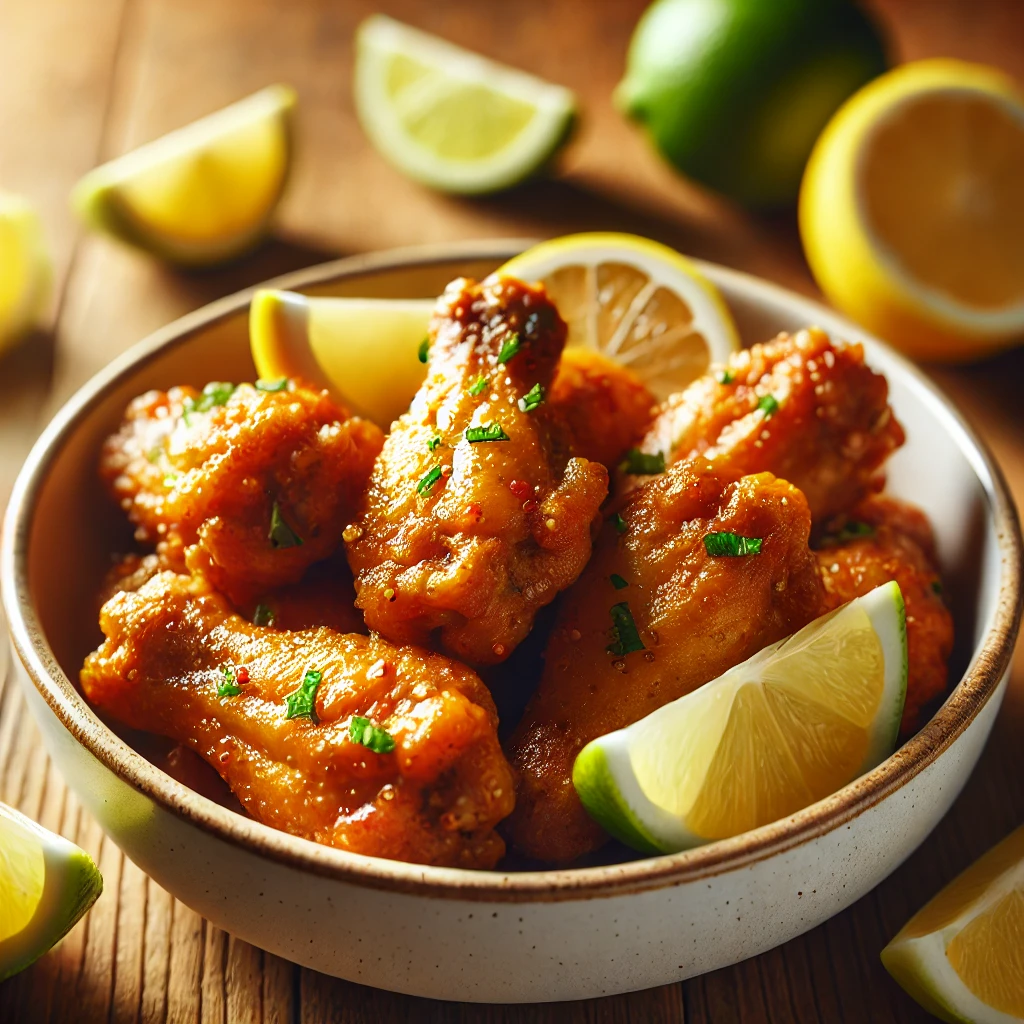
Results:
735 92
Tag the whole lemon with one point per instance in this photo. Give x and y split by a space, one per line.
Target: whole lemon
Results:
735 92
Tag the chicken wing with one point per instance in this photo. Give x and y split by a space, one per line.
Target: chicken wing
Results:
246 486
880 540
802 407
476 516
654 616
346 740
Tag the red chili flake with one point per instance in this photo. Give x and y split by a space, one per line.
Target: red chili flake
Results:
242 675
520 488
473 510
529 505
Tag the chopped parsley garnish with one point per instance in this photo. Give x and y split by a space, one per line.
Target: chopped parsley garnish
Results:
618 582
228 687
270 386
640 463
424 350
217 392
488 432
937 587
171 479
532 399
769 405
726 377
303 701
263 615
509 348
620 523
362 730
853 529
426 485
724 544
625 637
153 455
478 386
433 443
281 534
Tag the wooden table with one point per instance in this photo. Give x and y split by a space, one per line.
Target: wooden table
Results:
83 82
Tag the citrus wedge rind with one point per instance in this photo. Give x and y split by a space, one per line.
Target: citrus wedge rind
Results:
25 277
202 194
450 118
46 885
694 770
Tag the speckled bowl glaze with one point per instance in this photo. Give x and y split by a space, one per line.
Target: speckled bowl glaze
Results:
493 936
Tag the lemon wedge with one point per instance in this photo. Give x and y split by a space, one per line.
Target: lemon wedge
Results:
46 885
203 193
450 118
25 272
790 725
961 956
635 301
366 351
912 209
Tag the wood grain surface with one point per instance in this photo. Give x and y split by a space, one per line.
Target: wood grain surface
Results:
83 81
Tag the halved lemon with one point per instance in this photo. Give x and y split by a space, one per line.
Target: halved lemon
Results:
961 956
912 209
25 273
636 301
367 351
789 726
450 118
203 193
46 884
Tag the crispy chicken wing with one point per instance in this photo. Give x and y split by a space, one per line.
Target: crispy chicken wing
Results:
653 617
275 714
475 516
246 486
801 407
884 539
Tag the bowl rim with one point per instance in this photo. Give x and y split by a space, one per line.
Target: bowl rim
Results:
980 681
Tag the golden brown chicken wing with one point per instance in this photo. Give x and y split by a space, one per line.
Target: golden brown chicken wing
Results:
654 616
884 539
475 518
247 486
802 407
346 740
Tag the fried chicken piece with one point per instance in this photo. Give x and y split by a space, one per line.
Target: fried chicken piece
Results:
695 615
802 407
605 406
883 539
171 647
459 541
245 486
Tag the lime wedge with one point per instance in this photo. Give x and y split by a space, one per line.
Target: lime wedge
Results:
24 268
46 885
961 956
785 728
203 193
366 351
450 118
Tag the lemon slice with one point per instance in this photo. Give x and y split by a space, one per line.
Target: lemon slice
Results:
450 118
367 351
961 956
202 194
636 301
24 268
790 725
46 885
912 209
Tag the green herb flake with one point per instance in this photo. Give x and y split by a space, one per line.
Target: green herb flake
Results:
424 350
937 587
620 523
302 703
153 455
731 545
638 463
478 386
362 730
228 687
433 443
270 386
217 392
509 348
854 529
263 615
618 582
488 432
171 479
726 377
625 636
769 405
281 534
426 485
532 399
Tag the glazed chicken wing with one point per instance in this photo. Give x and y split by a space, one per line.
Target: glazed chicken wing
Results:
246 486
344 739
884 539
476 516
653 617
801 407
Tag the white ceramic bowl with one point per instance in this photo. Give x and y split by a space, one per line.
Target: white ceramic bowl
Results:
490 936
